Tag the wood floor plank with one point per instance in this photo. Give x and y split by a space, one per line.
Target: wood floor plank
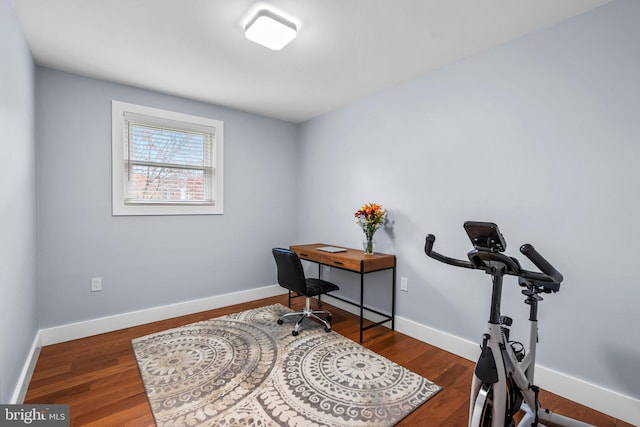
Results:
98 376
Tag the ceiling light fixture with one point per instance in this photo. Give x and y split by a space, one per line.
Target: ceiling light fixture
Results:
270 30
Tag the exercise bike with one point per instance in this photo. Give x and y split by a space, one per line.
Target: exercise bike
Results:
502 383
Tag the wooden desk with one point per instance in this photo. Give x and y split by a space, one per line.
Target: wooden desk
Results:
355 261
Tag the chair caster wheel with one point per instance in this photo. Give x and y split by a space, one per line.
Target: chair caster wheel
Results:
329 317
280 322
327 329
294 333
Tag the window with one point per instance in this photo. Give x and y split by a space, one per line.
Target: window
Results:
165 163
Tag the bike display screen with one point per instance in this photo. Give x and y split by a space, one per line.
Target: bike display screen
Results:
485 236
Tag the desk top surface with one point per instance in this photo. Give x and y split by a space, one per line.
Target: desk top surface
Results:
350 259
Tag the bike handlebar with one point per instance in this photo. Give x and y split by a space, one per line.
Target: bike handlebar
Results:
539 261
428 249
548 274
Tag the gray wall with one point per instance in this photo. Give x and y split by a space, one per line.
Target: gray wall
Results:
18 315
146 262
540 136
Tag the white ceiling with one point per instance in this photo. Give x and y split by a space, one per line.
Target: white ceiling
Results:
345 49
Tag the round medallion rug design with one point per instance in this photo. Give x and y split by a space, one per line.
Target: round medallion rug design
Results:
338 382
245 369
195 372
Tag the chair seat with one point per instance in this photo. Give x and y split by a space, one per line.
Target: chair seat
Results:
319 286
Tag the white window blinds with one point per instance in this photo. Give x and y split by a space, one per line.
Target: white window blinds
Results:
165 163
168 161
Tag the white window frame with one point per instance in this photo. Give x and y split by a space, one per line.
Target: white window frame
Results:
119 207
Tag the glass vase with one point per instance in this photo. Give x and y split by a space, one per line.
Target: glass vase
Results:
369 246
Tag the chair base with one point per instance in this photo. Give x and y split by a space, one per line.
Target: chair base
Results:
308 312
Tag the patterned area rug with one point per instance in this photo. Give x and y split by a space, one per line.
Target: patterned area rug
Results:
245 369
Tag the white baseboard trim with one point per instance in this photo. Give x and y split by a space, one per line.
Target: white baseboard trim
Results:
609 402
27 371
612 403
451 343
625 408
101 325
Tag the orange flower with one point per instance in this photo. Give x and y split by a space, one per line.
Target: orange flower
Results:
370 217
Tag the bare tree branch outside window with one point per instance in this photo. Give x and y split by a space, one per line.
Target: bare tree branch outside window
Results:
168 165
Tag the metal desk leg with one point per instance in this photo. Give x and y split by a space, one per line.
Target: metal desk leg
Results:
319 277
393 299
361 304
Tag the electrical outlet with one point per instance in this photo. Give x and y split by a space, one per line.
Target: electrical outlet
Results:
404 284
96 284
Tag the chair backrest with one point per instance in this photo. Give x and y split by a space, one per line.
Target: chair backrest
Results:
290 272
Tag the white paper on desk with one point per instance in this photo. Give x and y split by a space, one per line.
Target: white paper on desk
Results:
331 249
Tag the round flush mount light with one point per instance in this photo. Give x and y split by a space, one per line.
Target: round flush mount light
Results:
270 30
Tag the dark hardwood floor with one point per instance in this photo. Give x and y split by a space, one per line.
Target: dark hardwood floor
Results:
98 376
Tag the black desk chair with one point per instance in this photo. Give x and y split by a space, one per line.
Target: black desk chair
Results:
291 277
